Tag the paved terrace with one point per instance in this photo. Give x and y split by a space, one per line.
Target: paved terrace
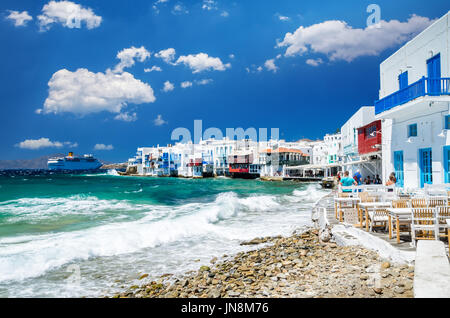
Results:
328 203
432 273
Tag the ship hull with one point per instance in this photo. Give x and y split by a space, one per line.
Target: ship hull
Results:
67 165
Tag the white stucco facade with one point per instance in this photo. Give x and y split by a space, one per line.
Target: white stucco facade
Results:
416 130
349 131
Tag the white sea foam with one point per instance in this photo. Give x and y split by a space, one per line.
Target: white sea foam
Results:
113 172
38 209
227 218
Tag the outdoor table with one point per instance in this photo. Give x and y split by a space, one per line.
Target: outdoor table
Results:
366 206
340 201
397 213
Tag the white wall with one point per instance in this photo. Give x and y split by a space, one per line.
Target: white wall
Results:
334 145
428 113
412 57
429 127
349 131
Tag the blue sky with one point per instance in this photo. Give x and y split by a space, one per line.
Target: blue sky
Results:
314 84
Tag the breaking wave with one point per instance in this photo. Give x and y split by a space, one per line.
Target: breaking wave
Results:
29 256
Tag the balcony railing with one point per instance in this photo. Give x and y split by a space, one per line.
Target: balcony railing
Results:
424 86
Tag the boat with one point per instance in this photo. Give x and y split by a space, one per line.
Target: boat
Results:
329 183
71 163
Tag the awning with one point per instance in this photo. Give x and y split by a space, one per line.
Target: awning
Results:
310 167
357 162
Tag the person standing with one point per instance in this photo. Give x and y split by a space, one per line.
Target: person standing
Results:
358 177
346 181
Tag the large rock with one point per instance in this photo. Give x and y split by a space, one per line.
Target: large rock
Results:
325 235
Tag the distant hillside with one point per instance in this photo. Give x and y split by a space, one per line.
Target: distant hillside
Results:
36 163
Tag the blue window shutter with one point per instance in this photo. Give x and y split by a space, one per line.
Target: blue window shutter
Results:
426 170
398 167
403 80
446 164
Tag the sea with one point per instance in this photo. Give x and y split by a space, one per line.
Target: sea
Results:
94 235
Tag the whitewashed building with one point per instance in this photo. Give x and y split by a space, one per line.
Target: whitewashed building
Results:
414 108
351 159
333 143
319 153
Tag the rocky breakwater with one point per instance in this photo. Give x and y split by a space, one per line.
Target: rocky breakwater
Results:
296 266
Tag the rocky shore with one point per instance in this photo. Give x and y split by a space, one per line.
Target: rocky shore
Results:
297 266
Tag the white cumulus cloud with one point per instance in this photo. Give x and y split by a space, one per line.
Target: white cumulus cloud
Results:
159 121
205 81
270 65
283 18
186 84
314 62
19 18
83 92
154 68
167 55
209 5
128 56
68 14
339 41
202 62
168 86
126 117
103 147
35 144
179 8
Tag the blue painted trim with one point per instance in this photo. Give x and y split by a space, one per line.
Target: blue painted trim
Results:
426 166
399 168
446 164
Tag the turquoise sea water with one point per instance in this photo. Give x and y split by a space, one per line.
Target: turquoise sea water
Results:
93 235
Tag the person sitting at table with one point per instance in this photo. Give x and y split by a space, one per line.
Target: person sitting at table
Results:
392 181
378 180
346 181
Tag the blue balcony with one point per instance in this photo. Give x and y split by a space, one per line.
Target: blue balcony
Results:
423 87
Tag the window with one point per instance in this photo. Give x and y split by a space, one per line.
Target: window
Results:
371 132
447 122
412 130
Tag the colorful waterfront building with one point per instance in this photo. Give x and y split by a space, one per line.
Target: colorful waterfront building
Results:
333 143
275 161
358 134
242 165
413 105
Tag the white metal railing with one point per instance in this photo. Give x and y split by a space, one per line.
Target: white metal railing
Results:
367 187
437 189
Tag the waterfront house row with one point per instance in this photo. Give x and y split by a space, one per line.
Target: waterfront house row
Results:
225 157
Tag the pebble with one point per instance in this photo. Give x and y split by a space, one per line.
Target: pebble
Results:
295 266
